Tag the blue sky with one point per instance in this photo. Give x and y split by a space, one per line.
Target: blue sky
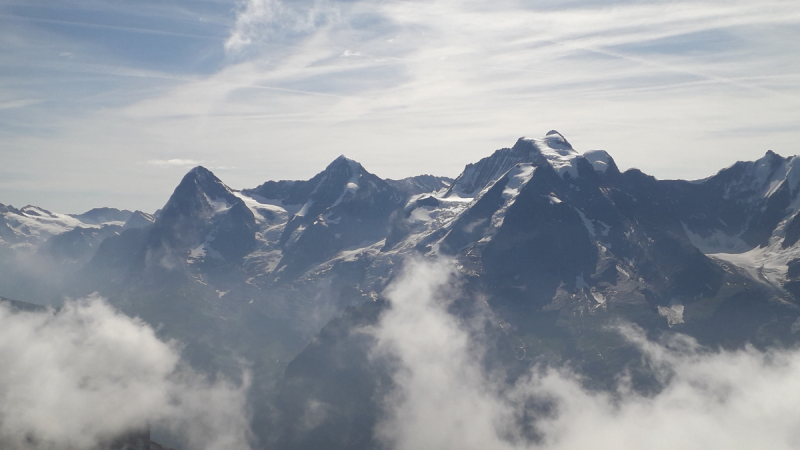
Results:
109 103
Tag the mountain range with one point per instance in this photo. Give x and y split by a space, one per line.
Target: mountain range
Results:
552 244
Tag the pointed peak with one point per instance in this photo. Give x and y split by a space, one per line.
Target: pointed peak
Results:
344 162
200 174
556 140
201 171
204 180
342 159
771 159
139 219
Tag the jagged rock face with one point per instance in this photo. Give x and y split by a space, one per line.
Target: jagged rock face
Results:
320 192
196 200
552 149
573 222
342 206
744 202
289 192
421 184
478 175
202 214
542 236
139 219
655 245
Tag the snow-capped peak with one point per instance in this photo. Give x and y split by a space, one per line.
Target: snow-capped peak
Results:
31 225
31 210
552 149
557 151
600 159
557 140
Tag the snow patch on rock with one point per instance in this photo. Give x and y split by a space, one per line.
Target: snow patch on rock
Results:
673 314
598 158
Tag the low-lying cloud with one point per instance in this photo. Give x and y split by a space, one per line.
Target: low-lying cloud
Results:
87 374
444 399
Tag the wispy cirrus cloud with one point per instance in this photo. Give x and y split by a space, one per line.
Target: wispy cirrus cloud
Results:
411 87
20 103
457 72
258 21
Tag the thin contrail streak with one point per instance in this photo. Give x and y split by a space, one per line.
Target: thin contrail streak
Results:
87 68
113 27
669 67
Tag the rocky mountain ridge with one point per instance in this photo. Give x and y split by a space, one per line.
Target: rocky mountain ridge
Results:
557 244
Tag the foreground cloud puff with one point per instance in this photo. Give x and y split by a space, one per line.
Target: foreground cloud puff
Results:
86 374
444 399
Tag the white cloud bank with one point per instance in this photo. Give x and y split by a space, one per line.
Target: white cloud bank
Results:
87 373
712 399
